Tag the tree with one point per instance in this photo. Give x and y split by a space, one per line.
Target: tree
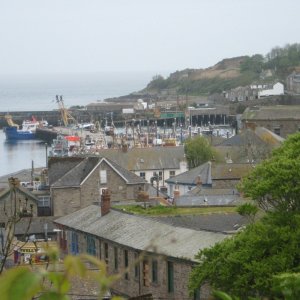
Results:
275 183
198 151
244 265
54 280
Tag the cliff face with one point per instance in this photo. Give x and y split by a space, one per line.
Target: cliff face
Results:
226 68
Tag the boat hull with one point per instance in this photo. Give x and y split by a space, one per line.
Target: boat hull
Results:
12 133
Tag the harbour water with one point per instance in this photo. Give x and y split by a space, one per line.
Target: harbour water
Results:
37 92
18 155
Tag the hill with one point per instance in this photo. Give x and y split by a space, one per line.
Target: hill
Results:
230 73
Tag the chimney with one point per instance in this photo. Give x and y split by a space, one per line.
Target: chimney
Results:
105 202
198 180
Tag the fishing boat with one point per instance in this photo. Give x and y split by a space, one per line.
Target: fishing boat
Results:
27 132
65 145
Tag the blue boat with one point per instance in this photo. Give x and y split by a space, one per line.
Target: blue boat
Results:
28 131
13 133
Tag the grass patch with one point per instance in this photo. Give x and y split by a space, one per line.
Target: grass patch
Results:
172 210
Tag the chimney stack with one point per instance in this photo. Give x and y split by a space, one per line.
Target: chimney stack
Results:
105 202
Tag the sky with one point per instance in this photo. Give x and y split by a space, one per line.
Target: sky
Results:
65 36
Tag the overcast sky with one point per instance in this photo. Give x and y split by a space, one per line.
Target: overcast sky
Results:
42 36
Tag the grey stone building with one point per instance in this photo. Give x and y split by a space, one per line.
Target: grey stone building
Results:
293 83
280 119
209 175
158 256
76 182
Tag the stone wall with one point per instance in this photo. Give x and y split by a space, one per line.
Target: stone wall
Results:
7 206
138 281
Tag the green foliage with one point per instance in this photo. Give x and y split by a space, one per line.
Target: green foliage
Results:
287 286
275 183
53 281
248 210
244 265
172 210
198 151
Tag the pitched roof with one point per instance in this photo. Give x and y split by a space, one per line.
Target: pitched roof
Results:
152 158
128 176
208 172
225 223
276 112
76 175
191 176
20 190
141 233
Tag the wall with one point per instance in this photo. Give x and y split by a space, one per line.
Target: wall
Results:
65 200
134 285
6 205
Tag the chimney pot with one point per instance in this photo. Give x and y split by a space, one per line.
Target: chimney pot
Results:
105 202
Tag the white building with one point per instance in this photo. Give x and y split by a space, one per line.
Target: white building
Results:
277 89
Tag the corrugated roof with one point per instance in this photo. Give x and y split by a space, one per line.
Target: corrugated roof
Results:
141 233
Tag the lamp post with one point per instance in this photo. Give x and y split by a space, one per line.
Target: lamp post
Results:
180 133
46 148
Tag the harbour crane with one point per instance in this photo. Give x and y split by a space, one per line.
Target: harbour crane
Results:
65 115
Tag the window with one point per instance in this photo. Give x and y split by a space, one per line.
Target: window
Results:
154 271
106 253
170 274
145 272
103 176
44 208
126 263
172 173
91 245
74 243
143 175
277 131
116 258
136 266
160 175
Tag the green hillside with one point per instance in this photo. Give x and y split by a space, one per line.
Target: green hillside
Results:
231 73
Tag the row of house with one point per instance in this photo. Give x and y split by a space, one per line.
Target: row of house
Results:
255 91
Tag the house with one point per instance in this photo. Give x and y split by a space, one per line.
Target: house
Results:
17 200
293 83
148 162
208 175
280 119
273 90
249 145
159 256
76 182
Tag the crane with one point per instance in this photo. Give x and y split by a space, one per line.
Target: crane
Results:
65 115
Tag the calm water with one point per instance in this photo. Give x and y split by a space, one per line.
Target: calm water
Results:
37 92
15 156
32 92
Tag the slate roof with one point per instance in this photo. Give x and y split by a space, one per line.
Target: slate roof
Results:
76 175
211 171
152 158
190 177
36 226
242 139
21 190
141 233
226 223
277 112
130 177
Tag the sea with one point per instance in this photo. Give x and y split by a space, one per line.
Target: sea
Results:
32 92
